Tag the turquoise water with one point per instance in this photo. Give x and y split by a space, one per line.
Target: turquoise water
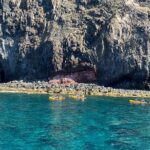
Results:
31 122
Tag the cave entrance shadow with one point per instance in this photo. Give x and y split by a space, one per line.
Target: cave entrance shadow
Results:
2 75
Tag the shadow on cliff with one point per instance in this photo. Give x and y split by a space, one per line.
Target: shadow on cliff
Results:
2 73
37 64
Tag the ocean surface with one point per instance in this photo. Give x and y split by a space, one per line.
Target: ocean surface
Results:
32 122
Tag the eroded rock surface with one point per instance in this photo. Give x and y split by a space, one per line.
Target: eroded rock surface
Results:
41 38
73 78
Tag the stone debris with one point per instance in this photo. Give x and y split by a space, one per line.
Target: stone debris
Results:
78 88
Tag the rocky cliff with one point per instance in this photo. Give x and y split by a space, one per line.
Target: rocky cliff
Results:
40 38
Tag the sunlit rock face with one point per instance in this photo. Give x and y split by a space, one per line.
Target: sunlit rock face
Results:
42 38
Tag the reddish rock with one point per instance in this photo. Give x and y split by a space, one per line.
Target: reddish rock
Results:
62 81
54 81
73 78
67 81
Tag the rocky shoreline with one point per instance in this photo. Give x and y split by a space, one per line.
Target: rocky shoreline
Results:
70 38
43 87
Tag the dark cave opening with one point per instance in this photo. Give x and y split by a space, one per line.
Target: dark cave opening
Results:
2 75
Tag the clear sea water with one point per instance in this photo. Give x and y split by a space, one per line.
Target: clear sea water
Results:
31 122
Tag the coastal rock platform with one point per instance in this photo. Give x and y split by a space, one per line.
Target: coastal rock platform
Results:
43 87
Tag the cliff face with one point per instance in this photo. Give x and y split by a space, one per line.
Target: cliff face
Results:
41 37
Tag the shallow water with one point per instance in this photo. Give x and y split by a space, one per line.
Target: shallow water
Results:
31 122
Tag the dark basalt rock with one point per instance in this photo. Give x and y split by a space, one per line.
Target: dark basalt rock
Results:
42 38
